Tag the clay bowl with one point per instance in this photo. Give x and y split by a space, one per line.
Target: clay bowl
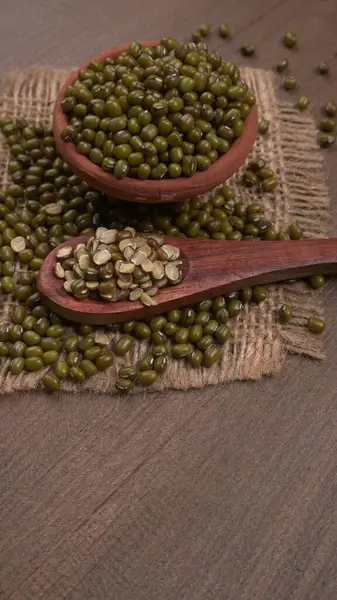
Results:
150 191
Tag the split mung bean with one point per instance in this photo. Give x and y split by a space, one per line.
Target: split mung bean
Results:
119 265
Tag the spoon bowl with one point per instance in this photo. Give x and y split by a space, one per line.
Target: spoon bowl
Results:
210 268
151 191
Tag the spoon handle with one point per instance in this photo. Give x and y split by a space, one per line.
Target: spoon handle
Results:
210 268
215 265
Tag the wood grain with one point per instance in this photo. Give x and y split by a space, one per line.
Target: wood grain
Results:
135 190
224 493
210 268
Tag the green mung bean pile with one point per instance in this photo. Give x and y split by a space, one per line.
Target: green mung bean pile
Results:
156 112
46 204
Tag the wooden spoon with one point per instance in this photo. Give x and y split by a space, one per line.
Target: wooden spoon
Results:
210 268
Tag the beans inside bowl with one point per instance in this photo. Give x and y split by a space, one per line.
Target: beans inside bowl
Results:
157 112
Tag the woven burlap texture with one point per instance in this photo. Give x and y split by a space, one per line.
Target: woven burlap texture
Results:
259 343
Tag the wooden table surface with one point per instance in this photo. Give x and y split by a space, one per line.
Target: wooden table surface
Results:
224 493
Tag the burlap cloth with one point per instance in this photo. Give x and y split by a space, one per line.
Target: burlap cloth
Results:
259 343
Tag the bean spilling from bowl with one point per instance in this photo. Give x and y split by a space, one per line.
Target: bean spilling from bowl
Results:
155 112
119 265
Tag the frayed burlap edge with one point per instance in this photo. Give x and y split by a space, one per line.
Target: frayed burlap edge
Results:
259 343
